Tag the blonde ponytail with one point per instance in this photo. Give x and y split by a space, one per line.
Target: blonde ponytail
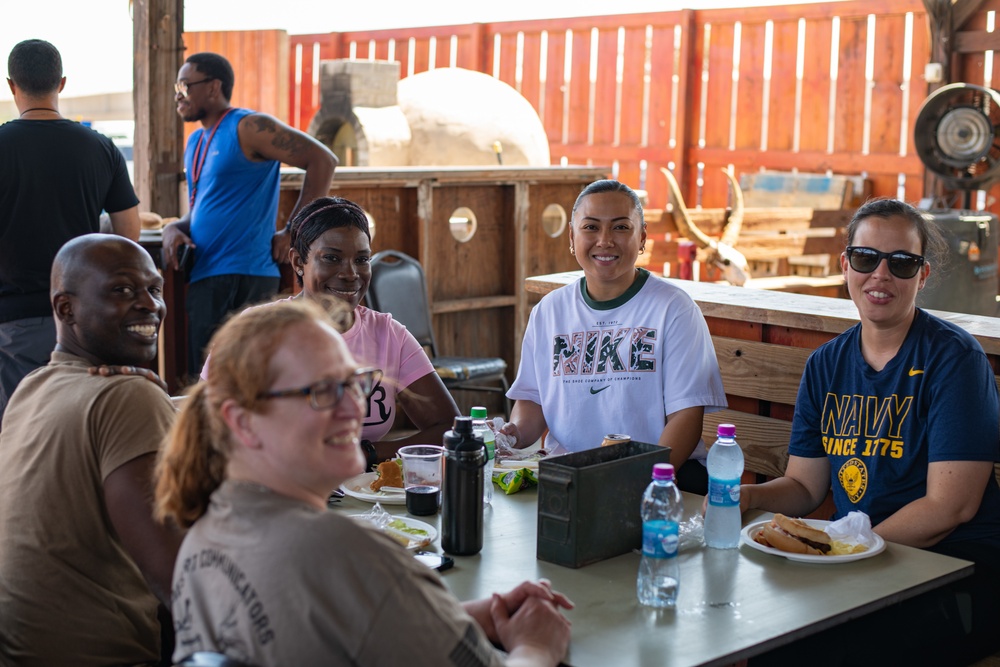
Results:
190 468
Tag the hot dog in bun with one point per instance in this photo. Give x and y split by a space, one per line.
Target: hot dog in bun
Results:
794 536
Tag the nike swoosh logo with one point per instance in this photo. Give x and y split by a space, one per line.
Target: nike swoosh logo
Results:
598 391
915 372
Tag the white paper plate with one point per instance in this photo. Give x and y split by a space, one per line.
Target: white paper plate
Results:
416 541
511 464
360 487
747 539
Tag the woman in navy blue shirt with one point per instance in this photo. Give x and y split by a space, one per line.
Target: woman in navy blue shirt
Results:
899 415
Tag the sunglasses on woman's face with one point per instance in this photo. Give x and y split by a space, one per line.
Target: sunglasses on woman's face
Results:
901 264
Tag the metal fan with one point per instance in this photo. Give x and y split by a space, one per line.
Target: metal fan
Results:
956 135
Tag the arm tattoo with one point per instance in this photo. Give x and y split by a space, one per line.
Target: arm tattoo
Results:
288 141
283 140
264 123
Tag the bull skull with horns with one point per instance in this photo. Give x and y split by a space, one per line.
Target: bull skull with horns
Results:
719 253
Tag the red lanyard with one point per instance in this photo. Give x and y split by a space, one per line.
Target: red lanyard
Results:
200 153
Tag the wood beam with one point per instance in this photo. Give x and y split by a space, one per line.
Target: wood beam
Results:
976 41
158 145
687 70
961 12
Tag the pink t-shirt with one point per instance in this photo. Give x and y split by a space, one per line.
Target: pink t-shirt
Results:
377 340
380 341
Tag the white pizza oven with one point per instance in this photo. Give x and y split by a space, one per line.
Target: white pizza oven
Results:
443 117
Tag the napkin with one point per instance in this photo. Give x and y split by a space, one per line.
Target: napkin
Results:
504 443
855 528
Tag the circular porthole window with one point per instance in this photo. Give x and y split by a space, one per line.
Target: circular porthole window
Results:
554 220
462 224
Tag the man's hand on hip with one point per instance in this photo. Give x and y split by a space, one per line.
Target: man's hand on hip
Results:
280 243
173 238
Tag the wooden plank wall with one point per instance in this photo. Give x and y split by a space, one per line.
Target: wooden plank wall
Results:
702 90
698 90
975 63
260 65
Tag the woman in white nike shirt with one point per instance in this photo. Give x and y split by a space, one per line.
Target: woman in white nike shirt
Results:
620 351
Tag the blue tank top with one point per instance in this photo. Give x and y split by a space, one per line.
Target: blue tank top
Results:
236 206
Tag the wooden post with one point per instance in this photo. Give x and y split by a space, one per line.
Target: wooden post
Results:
688 76
425 228
158 147
522 231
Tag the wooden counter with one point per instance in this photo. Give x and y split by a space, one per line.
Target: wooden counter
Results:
780 309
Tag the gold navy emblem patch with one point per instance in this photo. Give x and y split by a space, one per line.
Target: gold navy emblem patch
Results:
853 477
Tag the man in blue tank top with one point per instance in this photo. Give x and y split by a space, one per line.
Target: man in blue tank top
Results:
232 165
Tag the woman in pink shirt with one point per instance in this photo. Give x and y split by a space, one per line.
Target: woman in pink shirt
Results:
330 254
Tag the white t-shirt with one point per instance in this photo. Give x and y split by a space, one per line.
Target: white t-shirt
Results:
620 366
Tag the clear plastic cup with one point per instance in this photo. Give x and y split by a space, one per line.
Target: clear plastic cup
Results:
422 478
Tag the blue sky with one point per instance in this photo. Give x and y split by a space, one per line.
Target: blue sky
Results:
95 36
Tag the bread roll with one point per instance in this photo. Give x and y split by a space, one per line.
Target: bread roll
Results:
150 220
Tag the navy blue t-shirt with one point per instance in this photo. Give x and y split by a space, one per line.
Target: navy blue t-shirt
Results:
936 400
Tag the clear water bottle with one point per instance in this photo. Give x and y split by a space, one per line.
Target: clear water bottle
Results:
662 509
725 467
481 426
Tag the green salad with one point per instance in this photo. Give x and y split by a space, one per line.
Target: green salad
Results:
400 525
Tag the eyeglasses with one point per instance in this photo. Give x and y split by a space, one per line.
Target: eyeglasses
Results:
327 394
181 87
901 264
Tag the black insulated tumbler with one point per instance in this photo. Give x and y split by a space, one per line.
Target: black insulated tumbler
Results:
462 492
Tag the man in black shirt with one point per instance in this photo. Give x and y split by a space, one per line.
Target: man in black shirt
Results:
55 178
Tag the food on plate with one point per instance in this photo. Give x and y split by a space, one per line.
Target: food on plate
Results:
520 456
794 536
838 548
403 533
390 473
407 534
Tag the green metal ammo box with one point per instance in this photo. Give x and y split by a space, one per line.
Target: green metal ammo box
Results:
588 502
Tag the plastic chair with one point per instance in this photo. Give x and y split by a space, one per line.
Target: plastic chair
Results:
210 659
398 287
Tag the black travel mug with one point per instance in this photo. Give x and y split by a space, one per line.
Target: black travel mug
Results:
462 492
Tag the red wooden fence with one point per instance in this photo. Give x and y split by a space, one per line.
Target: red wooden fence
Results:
827 87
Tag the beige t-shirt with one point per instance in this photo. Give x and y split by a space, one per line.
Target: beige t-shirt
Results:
69 592
272 581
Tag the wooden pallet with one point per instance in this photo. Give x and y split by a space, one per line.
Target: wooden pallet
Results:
776 241
774 189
